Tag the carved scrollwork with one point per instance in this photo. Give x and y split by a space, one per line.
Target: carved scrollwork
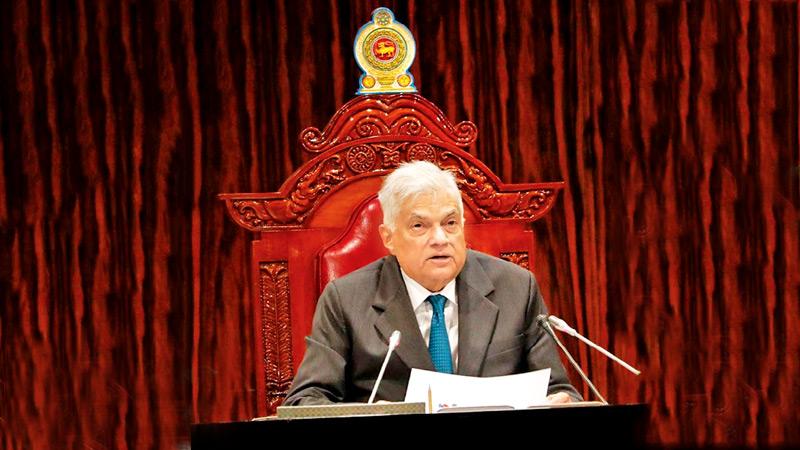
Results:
256 214
466 132
480 188
371 126
313 139
276 330
388 116
518 258
490 201
409 126
361 158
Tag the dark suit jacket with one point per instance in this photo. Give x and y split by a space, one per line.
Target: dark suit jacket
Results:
498 335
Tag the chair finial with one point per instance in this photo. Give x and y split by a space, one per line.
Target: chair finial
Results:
384 49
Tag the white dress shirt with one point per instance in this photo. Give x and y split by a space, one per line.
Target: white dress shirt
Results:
424 311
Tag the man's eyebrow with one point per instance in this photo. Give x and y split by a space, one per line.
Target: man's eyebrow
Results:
452 212
422 216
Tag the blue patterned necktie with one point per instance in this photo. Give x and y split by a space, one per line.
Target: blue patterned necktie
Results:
439 343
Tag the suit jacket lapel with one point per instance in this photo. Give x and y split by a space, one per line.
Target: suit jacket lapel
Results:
394 307
477 317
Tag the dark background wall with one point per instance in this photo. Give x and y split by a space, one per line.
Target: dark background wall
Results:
125 311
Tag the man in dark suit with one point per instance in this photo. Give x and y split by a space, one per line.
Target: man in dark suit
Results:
459 311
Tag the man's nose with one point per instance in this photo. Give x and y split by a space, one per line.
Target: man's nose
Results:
439 236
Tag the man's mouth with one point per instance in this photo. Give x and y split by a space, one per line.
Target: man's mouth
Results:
439 257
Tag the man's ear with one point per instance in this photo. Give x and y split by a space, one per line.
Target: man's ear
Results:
386 237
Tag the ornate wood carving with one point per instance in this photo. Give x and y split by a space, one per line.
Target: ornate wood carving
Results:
361 158
257 212
372 116
368 135
390 154
489 200
276 331
518 258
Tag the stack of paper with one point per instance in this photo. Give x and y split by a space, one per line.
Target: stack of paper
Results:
443 392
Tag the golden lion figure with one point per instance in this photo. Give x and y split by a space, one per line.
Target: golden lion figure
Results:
386 49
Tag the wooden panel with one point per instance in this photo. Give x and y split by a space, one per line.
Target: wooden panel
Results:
125 315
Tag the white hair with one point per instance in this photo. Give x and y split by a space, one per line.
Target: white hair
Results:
412 179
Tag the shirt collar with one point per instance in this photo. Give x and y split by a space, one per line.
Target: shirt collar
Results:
418 294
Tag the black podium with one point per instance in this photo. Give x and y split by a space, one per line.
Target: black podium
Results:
615 426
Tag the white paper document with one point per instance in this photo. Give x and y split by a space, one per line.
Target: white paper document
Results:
442 391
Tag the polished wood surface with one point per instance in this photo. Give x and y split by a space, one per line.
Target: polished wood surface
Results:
675 242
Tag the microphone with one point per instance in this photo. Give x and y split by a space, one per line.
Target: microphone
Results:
545 324
394 341
562 326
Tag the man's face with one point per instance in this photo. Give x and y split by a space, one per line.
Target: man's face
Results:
428 239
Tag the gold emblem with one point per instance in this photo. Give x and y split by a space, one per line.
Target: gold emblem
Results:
384 50
368 81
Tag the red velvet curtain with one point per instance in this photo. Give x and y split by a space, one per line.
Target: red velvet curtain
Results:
125 311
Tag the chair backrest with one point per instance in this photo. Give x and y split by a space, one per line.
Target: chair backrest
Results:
322 223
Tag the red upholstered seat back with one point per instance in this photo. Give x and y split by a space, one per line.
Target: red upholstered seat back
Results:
358 246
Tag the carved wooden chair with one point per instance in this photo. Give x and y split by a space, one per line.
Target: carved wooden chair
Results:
323 221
